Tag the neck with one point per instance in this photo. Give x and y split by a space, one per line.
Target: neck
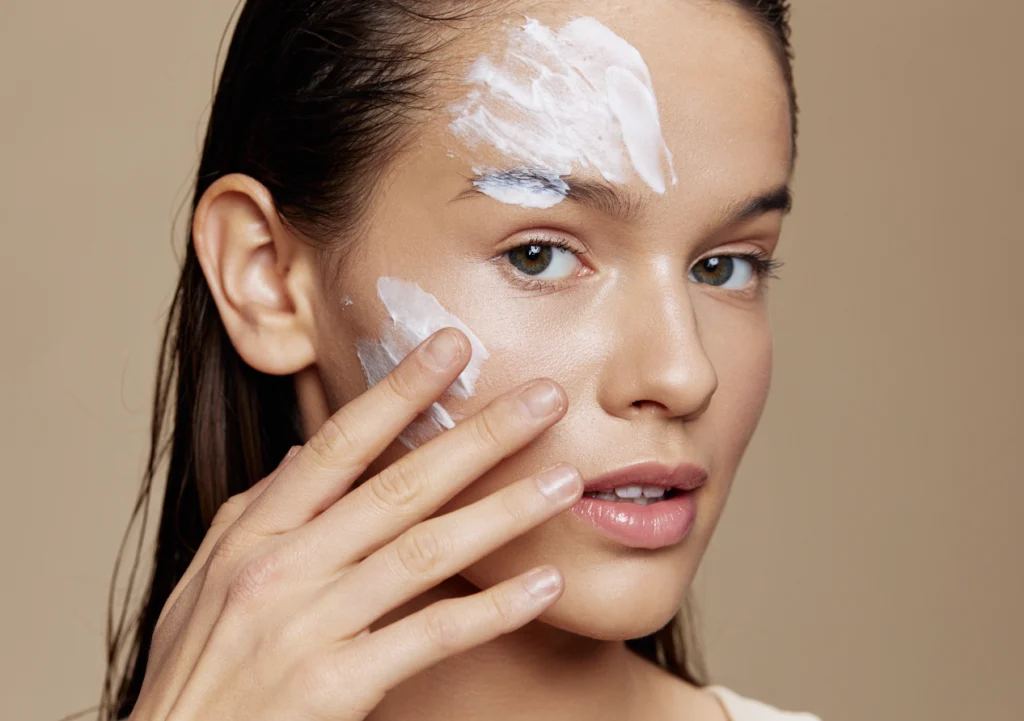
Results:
536 672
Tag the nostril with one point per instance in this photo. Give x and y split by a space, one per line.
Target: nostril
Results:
647 405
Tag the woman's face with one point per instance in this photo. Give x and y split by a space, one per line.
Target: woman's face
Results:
664 354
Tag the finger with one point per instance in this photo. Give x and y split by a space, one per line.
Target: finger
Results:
338 453
386 657
439 548
227 514
422 481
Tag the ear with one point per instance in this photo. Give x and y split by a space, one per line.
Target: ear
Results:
260 275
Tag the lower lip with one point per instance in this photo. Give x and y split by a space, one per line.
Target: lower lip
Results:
658 524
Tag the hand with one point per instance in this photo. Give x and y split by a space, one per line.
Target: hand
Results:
272 618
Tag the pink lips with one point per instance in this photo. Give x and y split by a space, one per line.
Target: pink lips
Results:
659 524
685 476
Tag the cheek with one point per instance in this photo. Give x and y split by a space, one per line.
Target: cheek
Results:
339 322
741 353
382 341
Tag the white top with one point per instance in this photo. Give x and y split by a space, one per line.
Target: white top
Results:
738 708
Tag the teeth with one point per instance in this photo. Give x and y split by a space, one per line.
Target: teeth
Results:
641 495
640 491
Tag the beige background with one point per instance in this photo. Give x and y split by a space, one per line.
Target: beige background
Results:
868 565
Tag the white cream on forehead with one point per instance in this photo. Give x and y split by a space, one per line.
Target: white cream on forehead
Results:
577 98
416 315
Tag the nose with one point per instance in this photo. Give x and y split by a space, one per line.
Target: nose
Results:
657 364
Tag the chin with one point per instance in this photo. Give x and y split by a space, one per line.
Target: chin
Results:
609 622
625 600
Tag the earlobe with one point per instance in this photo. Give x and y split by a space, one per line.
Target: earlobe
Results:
255 268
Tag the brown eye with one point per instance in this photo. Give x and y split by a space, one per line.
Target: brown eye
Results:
544 261
723 270
531 259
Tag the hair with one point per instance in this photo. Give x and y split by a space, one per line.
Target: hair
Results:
315 98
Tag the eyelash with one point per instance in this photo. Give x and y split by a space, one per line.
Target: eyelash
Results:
764 266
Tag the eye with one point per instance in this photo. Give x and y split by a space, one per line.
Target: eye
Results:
731 272
544 260
736 271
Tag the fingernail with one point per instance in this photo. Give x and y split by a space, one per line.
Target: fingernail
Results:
543 582
442 351
541 399
559 483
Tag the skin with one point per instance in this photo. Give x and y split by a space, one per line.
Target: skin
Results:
654 365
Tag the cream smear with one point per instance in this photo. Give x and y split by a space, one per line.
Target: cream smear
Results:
530 190
580 97
416 315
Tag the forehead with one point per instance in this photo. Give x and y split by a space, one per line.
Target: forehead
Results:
725 109
721 99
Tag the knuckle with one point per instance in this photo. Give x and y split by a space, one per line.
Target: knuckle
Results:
314 678
503 608
229 547
486 432
513 505
396 486
332 686
293 632
402 384
248 586
441 626
231 509
329 442
420 553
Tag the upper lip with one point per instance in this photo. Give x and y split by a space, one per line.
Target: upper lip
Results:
685 476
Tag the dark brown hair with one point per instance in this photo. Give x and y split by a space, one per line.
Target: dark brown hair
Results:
315 97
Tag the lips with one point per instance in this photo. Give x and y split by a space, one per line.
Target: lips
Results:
685 477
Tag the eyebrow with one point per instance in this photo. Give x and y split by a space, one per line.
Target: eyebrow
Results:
780 198
625 203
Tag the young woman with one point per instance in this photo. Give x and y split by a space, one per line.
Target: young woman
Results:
470 338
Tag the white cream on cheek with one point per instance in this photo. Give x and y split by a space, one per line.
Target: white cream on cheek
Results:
579 97
416 315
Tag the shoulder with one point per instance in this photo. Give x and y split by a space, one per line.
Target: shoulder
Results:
740 708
